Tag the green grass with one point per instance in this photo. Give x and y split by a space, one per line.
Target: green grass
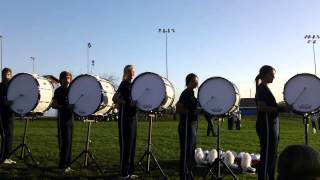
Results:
42 140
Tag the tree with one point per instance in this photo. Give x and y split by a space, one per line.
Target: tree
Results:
114 80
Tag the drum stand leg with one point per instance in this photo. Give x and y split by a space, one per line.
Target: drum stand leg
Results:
219 162
149 153
24 147
86 152
306 122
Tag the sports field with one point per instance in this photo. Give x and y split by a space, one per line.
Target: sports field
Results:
42 140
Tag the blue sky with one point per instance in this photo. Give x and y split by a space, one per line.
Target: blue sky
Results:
228 38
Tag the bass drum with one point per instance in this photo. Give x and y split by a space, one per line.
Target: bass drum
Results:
152 92
29 93
91 95
218 96
302 93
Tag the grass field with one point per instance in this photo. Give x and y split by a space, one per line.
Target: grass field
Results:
42 140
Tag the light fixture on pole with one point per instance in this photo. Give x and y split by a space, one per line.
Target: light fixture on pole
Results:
312 39
33 63
166 31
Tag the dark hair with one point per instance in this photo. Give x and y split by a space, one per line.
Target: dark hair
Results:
189 77
298 162
64 74
264 70
5 70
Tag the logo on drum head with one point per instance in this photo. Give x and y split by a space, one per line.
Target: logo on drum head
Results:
216 110
305 106
147 106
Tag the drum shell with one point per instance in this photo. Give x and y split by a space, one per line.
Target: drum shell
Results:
106 91
44 93
235 101
289 100
169 92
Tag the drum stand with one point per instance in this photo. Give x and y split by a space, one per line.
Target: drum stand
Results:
149 153
86 152
306 122
219 162
23 146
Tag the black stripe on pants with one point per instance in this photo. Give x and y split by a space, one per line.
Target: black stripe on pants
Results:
65 135
268 133
127 140
6 134
187 137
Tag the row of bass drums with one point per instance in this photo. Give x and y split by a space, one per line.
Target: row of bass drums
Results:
92 95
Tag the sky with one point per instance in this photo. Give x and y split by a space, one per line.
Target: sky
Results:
227 38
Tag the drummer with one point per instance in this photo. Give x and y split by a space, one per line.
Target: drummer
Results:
65 121
127 123
7 117
187 108
267 124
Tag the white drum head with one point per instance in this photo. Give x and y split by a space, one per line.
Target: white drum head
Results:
23 91
302 92
85 94
217 96
149 91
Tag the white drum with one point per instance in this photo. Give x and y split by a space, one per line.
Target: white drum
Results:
302 93
91 95
152 92
29 93
218 96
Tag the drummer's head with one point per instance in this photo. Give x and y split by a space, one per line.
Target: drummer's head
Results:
6 74
128 72
65 78
191 81
266 75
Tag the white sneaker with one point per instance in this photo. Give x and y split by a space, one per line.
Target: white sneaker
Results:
7 161
12 161
314 131
68 170
133 176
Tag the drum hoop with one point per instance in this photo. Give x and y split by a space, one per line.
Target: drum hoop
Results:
37 83
285 85
142 74
166 94
218 77
69 92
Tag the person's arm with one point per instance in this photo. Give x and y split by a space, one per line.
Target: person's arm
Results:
118 99
180 108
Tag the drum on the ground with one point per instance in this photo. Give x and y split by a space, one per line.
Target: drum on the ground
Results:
29 93
218 96
152 92
91 95
302 93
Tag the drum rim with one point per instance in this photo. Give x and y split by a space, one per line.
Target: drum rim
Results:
218 77
285 85
142 74
37 102
81 75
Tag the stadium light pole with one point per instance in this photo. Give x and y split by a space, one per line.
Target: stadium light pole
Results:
89 45
1 52
166 32
33 63
312 39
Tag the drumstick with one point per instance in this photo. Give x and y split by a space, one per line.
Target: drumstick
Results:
298 97
18 97
78 99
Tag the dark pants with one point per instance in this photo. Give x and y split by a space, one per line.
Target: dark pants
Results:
127 140
268 133
65 134
210 128
187 137
238 124
6 134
